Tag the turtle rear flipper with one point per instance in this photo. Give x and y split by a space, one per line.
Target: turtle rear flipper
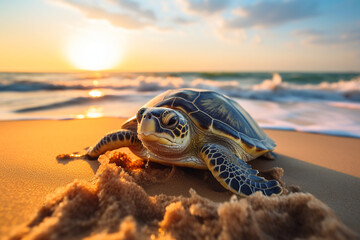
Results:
234 174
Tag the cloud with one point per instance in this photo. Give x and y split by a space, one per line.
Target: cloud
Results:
135 8
228 19
231 18
271 13
127 14
316 37
131 16
183 21
204 7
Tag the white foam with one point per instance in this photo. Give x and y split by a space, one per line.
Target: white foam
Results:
270 89
329 108
316 117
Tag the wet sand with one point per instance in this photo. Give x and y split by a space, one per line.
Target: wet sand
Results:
29 171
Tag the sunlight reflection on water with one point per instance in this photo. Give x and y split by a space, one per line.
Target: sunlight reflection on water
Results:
92 112
95 93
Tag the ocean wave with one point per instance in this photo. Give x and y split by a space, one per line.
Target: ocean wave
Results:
270 89
32 86
231 75
72 102
274 89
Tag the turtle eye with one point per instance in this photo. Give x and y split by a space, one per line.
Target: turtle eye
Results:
140 114
170 119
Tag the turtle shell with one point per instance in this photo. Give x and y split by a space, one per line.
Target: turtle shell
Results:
218 114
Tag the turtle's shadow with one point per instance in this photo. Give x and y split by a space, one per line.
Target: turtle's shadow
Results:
203 181
263 164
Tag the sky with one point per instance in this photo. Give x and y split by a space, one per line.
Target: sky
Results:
179 35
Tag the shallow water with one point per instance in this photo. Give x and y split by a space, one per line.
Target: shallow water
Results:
327 103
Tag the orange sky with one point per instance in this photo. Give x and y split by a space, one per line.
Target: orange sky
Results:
179 36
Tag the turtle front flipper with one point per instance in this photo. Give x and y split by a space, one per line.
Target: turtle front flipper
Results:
234 174
114 140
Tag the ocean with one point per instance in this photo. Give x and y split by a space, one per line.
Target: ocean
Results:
325 103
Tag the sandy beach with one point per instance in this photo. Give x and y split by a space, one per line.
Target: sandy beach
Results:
196 79
325 166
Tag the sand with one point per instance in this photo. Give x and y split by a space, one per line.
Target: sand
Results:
29 172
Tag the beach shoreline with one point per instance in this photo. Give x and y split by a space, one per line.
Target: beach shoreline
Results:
322 165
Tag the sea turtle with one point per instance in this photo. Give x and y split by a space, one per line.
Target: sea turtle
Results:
199 129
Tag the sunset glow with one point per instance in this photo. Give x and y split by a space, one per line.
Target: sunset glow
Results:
93 51
179 35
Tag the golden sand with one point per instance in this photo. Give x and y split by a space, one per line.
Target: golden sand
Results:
104 204
114 205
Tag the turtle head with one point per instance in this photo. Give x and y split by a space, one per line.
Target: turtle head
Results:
163 130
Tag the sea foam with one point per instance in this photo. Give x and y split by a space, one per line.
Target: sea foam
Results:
303 102
274 89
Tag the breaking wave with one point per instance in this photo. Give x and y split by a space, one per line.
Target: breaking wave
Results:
326 103
274 89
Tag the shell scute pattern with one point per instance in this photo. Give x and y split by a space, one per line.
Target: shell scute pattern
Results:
220 115
165 103
225 129
205 106
185 105
202 120
248 142
217 107
188 95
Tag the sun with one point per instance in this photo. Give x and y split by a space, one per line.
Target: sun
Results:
93 50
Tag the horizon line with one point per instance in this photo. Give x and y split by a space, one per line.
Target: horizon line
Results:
199 71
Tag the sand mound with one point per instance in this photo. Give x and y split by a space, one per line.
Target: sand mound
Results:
114 205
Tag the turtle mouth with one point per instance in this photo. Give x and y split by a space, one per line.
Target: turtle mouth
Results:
151 137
